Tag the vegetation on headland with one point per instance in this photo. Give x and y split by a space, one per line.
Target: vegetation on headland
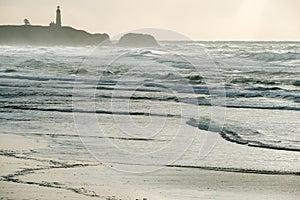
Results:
49 36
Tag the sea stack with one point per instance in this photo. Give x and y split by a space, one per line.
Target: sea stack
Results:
138 40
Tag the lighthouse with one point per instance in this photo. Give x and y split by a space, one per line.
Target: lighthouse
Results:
58 17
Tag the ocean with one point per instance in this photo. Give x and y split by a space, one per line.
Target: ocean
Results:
231 106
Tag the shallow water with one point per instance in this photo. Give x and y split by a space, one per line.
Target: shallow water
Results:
183 103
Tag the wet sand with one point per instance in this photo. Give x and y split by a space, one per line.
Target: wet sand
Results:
27 177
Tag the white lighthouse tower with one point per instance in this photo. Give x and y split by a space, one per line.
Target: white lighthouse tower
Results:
58 17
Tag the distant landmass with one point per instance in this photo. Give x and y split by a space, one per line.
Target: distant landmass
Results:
49 35
137 40
56 34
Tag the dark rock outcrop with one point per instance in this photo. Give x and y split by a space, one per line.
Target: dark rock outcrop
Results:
49 36
137 40
296 83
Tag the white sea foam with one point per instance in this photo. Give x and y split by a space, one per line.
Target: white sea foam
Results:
37 88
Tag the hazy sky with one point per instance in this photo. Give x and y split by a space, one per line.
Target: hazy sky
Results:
197 19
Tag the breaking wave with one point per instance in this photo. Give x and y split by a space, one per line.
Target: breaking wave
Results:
271 56
240 135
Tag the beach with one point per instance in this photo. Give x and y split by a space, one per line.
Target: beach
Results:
33 178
